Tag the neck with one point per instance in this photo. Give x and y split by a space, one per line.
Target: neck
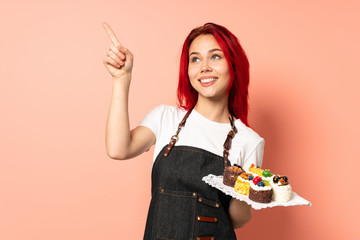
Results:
213 110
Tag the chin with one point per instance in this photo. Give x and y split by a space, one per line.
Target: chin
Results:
208 95
214 95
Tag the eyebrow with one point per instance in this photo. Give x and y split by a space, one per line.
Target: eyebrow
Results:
212 50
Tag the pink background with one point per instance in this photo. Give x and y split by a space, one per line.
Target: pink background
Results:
56 181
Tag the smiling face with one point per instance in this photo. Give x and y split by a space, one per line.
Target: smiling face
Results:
208 69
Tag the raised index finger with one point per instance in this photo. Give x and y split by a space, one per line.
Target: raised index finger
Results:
111 34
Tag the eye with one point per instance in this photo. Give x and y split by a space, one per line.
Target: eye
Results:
215 57
195 59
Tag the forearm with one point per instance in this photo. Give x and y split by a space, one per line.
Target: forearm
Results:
240 213
118 126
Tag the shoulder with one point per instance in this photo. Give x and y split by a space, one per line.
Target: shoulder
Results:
163 114
252 138
249 144
167 111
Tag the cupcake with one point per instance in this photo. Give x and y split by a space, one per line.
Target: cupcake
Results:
242 184
260 191
264 174
231 174
281 188
255 170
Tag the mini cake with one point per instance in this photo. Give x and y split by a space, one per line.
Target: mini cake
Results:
260 191
281 188
231 174
255 170
242 184
266 175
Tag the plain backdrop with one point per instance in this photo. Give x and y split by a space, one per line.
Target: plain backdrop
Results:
56 181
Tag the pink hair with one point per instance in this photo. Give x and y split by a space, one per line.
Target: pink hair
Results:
238 67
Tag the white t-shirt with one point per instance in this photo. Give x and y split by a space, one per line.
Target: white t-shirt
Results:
247 146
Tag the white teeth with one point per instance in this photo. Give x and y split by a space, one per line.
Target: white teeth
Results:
208 80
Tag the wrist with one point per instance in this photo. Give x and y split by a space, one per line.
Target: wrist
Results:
123 77
122 80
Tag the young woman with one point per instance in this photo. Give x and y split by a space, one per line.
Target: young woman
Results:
189 139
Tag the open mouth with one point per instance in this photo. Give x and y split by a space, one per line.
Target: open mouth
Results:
208 80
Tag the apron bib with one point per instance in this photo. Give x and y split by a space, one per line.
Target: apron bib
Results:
183 207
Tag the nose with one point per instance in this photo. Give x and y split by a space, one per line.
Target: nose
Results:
206 67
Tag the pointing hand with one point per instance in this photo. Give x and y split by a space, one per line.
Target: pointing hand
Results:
119 60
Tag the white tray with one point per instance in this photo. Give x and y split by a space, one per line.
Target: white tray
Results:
217 182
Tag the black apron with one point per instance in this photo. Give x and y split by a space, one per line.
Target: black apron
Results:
183 207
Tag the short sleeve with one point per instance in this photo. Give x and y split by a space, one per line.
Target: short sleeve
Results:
256 156
152 119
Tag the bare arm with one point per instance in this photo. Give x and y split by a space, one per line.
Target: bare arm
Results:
240 213
121 143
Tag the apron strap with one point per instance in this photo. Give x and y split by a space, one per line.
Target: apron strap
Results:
175 137
227 143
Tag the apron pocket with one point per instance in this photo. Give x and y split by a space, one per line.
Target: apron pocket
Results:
175 214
